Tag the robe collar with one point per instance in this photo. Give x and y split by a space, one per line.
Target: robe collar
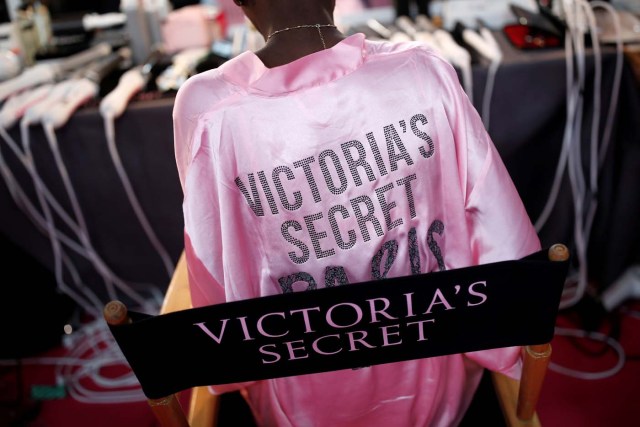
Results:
247 70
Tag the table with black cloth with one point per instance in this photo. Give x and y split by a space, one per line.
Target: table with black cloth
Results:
528 116
144 138
527 124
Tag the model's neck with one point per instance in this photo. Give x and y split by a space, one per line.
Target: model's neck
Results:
291 44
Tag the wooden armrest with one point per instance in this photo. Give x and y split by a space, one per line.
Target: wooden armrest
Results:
507 393
518 399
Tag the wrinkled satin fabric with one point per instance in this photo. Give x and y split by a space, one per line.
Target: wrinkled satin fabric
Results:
365 161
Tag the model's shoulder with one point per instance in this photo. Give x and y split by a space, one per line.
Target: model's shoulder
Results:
205 84
412 48
200 93
415 52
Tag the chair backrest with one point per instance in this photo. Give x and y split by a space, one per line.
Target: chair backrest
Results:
522 297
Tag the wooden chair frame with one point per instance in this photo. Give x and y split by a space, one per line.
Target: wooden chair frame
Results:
518 399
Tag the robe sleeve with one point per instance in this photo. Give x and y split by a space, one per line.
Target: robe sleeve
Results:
201 211
499 226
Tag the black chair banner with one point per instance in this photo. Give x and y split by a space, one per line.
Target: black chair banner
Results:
495 305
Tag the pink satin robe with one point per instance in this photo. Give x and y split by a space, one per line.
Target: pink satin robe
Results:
318 163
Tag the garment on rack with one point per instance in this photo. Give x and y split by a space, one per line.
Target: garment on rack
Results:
362 161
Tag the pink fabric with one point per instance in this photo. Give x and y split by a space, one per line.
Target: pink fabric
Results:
321 162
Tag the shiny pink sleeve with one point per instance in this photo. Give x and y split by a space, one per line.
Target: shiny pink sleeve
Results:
499 226
183 127
205 289
193 99
188 138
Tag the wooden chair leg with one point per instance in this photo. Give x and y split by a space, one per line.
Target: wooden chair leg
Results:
518 399
536 360
203 408
168 411
507 393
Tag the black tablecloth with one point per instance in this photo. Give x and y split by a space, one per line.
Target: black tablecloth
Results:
527 123
144 137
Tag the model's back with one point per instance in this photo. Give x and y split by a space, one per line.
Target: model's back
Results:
358 161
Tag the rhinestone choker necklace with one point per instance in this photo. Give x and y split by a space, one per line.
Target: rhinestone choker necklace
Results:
316 26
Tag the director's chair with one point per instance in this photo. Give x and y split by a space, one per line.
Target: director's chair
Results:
537 303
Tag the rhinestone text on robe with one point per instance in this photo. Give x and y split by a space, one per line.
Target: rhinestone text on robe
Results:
333 178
